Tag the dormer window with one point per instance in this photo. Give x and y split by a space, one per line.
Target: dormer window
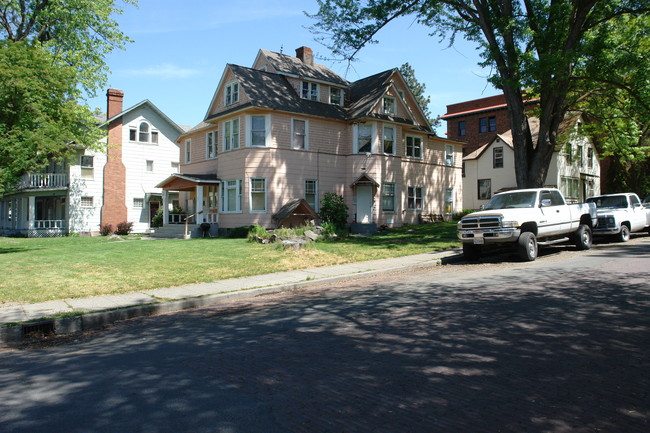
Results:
309 91
389 105
143 135
232 93
336 96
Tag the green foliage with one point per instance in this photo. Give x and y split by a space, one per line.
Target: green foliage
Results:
329 228
257 231
239 232
334 210
534 49
51 52
124 228
157 220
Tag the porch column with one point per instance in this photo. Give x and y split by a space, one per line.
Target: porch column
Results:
165 203
199 204
31 211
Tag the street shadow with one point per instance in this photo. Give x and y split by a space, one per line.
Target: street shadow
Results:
529 353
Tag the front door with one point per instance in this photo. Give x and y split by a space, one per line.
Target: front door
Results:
153 208
364 204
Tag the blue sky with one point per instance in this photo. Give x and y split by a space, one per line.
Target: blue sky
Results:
181 49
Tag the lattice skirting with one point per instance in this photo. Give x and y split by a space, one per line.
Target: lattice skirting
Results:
45 233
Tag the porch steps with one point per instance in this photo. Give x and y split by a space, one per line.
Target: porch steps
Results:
173 231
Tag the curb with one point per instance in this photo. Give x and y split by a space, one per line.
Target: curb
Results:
25 331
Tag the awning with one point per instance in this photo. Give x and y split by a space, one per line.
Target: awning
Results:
180 182
365 179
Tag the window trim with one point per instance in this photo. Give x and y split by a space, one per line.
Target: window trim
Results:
496 158
305 136
462 128
148 164
147 132
229 134
393 105
139 204
315 182
406 147
231 93
414 196
478 187
188 151
385 195
86 198
373 134
92 161
211 144
238 195
251 192
449 155
309 92
383 139
249 130
340 96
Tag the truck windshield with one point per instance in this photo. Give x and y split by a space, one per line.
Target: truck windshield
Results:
612 202
512 200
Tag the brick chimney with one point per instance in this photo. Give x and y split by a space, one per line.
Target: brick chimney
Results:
306 55
114 195
114 98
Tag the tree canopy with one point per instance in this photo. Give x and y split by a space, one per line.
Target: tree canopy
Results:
535 49
419 92
51 52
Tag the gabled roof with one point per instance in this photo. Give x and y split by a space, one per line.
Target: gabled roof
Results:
150 104
273 91
294 206
197 179
295 67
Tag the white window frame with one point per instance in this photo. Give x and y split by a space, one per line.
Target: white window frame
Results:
252 190
188 151
294 134
497 158
148 165
313 182
449 155
86 201
484 182
231 130
310 91
383 139
249 130
373 135
414 139
175 167
86 164
389 105
336 99
228 185
141 132
138 203
386 193
211 144
133 134
152 135
231 93
414 193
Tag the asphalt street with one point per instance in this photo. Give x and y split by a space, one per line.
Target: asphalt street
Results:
561 344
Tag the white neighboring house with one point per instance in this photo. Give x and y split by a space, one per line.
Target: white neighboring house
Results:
99 188
574 168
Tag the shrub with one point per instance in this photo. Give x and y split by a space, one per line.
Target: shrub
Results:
239 232
124 228
329 228
105 229
257 231
157 220
334 210
459 215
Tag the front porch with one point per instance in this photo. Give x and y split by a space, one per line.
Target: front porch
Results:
34 216
196 207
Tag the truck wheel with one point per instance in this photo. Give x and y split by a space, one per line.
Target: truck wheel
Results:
527 247
471 252
624 234
583 237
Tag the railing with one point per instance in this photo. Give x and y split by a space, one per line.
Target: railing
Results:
47 180
49 224
177 218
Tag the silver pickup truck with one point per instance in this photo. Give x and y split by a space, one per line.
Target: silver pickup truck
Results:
527 218
620 214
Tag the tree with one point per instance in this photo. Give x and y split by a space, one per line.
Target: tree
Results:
418 89
51 52
334 210
533 47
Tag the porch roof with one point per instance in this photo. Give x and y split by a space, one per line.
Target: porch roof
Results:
181 181
365 179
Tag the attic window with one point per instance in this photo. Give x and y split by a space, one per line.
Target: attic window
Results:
309 91
143 136
336 96
231 93
389 105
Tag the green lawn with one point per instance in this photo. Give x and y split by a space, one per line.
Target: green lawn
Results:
37 270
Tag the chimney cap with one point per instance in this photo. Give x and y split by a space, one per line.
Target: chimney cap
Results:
114 92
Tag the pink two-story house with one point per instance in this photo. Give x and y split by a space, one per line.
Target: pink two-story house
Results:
289 129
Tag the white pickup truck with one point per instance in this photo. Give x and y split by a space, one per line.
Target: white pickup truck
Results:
620 214
526 218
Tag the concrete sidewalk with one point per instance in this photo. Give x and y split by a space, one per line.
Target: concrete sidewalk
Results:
19 321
